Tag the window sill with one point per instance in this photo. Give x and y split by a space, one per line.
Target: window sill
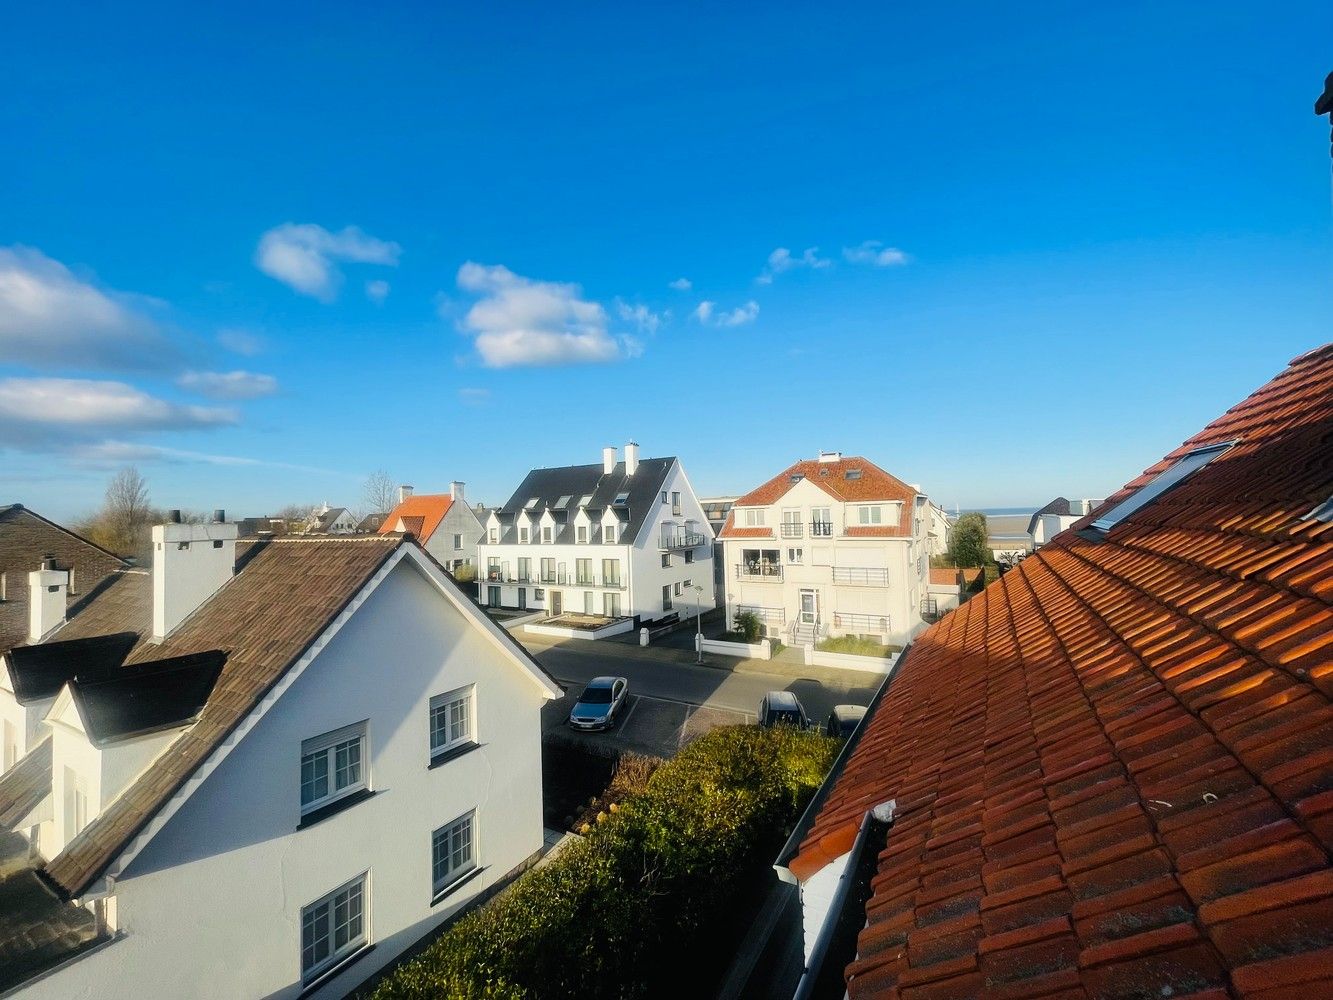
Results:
323 979
333 808
445 756
456 884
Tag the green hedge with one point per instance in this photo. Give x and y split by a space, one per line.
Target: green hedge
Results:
617 910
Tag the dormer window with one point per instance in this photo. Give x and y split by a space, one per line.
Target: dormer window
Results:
581 534
523 535
754 517
546 535
1184 467
609 534
870 515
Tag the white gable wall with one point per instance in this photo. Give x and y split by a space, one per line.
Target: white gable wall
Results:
212 906
460 520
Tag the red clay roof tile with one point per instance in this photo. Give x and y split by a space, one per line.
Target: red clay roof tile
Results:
1120 755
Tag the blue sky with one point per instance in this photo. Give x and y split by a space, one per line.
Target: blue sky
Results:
264 252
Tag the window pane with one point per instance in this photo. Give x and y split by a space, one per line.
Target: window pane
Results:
347 764
439 726
314 777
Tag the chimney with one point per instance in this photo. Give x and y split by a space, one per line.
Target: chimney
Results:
830 456
404 492
190 562
631 458
608 461
48 592
456 491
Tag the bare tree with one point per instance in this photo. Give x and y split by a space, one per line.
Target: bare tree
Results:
123 521
379 495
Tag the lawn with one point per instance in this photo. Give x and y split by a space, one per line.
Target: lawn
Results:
857 646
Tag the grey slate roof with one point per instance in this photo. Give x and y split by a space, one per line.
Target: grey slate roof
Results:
578 481
1057 506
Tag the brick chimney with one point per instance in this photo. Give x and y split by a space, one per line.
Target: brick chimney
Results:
608 461
190 562
48 593
631 458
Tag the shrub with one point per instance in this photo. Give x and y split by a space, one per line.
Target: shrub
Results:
613 914
747 624
467 573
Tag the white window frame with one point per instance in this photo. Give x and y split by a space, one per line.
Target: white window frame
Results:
754 517
581 534
326 747
329 902
458 542
795 556
442 882
441 720
609 534
546 535
869 514
522 536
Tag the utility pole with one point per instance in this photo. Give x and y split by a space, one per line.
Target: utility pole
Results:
698 621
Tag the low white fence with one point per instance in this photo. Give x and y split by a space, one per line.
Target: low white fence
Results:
758 651
564 632
849 661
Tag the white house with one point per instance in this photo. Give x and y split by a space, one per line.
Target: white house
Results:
619 539
939 528
265 769
326 520
1055 517
830 546
442 522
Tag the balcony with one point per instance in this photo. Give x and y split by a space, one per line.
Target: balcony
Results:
559 579
759 572
877 624
769 616
859 577
682 540
792 529
821 529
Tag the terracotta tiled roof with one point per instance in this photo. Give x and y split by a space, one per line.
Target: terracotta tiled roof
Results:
25 537
287 594
729 530
421 515
24 785
871 483
1113 768
943 577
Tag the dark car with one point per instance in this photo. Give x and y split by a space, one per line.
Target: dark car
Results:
782 708
599 704
843 720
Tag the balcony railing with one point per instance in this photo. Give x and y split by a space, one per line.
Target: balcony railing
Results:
861 623
775 616
763 572
792 529
559 579
930 609
861 577
821 529
683 540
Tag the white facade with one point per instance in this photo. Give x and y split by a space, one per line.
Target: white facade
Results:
208 902
809 578
656 573
1046 526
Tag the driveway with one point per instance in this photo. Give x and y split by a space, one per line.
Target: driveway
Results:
655 726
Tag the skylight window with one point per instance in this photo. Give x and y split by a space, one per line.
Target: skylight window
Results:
797 477
621 499
563 502
586 499
532 502
1184 467
852 474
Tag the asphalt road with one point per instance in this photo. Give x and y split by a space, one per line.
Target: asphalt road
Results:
576 662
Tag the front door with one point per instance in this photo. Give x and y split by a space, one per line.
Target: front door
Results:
493 596
809 607
523 598
555 603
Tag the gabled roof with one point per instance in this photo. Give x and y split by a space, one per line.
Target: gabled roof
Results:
25 538
24 785
286 594
548 486
1059 505
325 521
420 515
1113 768
847 480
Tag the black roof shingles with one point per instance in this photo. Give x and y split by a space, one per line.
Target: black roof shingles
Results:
547 486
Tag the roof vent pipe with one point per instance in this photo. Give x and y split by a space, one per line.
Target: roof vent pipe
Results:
608 461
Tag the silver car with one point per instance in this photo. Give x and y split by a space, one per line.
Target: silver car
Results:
599 704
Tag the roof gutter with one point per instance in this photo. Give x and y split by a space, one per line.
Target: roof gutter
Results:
807 821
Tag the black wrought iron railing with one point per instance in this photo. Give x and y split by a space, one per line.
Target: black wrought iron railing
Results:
821 529
759 571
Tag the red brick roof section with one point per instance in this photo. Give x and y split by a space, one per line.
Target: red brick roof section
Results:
729 530
872 484
421 515
1114 767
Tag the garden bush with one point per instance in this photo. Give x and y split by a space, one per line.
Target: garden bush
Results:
614 914
747 624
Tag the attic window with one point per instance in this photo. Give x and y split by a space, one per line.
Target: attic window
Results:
621 499
852 474
532 503
823 473
586 499
563 502
797 477
1184 467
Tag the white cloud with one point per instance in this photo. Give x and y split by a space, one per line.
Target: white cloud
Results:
875 253
706 313
640 315
781 260
229 385
681 284
37 409
49 317
519 321
241 341
377 290
305 256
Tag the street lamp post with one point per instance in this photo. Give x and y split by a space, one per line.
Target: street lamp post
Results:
698 622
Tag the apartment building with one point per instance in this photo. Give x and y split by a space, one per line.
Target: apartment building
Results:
618 539
830 546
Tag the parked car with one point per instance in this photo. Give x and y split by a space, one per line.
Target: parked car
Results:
782 708
843 720
599 704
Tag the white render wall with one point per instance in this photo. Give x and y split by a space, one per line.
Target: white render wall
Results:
905 560
641 570
460 520
212 906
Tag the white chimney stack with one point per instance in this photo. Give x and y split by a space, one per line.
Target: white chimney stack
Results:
404 492
190 562
830 456
48 593
456 491
608 461
631 458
